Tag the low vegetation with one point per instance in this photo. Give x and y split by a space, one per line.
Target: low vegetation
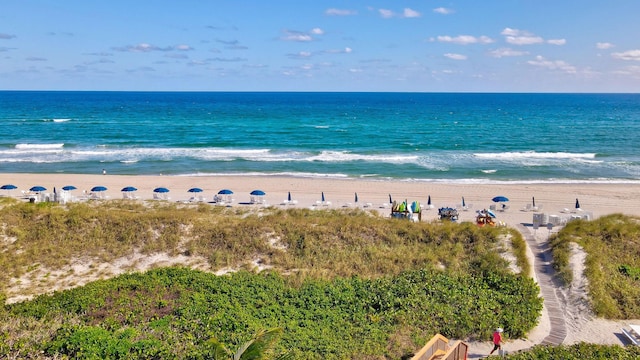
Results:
612 244
579 351
343 283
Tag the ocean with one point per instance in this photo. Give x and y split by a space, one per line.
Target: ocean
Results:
441 137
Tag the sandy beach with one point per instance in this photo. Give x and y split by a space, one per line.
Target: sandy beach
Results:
559 199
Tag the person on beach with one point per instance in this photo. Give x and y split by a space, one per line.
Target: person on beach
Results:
497 340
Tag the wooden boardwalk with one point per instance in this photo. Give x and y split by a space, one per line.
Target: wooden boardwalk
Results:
548 285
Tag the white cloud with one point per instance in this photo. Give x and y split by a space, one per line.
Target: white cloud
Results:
557 41
144 47
561 65
317 31
443 11
507 52
465 39
406 13
633 55
604 45
456 56
296 36
410 13
340 12
520 37
386 13
183 47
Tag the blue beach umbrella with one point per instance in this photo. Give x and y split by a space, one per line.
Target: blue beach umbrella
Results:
98 188
225 192
500 199
69 188
161 190
38 188
8 187
129 189
258 193
195 190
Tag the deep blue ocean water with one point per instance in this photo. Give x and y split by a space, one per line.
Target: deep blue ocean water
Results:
461 137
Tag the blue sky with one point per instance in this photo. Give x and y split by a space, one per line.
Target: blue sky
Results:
286 45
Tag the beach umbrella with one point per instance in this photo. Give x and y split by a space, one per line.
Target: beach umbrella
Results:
8 187
161 190
68 187
356 198
98 188
323 196
257 193
38 188
129 189
533 201
225 192
577 204
195 190
500 199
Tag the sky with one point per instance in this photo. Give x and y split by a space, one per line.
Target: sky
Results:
304 45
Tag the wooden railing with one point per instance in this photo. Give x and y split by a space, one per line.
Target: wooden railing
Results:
438 348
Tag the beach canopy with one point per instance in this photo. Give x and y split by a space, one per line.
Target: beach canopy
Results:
225 192
38 188
195 190
500 199
129 189
68 187
258 193
8 187
577 204
98 188
161 190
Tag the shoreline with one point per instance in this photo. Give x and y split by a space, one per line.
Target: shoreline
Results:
553 198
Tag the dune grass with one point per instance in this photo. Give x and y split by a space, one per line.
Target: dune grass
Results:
343 284
612 244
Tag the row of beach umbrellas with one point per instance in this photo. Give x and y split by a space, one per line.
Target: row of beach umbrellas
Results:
99 188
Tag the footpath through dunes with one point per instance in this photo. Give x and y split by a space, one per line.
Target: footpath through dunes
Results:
545 275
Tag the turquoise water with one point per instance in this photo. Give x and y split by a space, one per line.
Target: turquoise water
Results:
408 136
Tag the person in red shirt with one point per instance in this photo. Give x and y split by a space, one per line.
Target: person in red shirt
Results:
497 340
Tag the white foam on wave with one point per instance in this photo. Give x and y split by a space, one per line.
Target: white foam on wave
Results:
60 120
346 156
489 171
534 155
39 146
